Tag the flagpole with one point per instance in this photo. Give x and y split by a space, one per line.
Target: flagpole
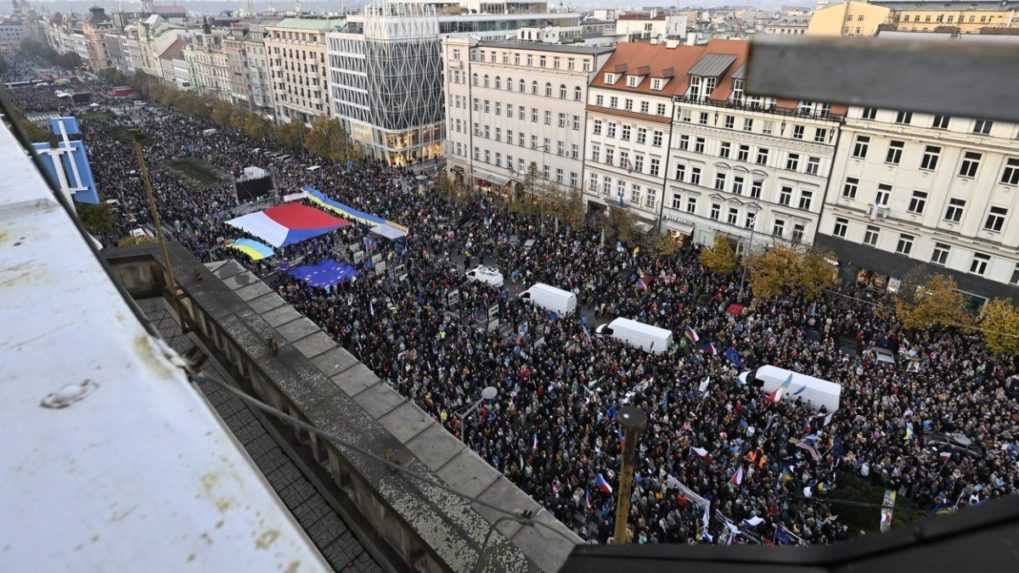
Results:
633 421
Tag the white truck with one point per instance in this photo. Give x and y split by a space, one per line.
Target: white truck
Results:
557 300
488 275
637 334
814 392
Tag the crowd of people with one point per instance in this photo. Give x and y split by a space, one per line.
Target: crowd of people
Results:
720 461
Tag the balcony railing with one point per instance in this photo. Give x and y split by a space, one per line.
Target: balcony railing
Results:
772 109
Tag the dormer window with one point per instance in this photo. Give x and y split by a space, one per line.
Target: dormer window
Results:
632 81
657 84
737 91
610 78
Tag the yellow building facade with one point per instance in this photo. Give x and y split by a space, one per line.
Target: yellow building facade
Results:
920 18
848 19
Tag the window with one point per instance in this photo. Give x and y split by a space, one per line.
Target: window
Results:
798 231
737 185
638 163
635 194
574 151
599 100
955 209
625 133
750 220
982 127
1015 275
593 182
698 146
595 152
904 117
931 153
562 91
806 197
691 207
644 107
841 226
677 201
778 228
684 142
884 192
723 149
743 153
748 124
970 164
798 132
1010 176
632 81
978 265
695 175
656 84
548 117
716 210
762 156
730 122
660 108
610 155
651 198
733 216
755 189
860 148
576 123
785 196
596 130
894 155
624 159
869 113
611 132
562 120
655 165
720 181
813 165
917 202
995 219
641 135
578 93
703 118
628 104
870 237
613 102
941 122
520 138
792 161
680 172
548 89
656 139
767 128
905 244
820 135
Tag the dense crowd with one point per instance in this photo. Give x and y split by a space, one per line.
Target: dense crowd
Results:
764 466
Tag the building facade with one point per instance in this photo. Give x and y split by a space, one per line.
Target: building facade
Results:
633 26
850 18
297 60
12 31
967 17
912 189
208 64
788 26
516 108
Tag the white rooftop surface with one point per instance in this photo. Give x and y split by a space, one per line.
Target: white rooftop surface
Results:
137 475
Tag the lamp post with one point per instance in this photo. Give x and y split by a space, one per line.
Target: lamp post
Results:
488 393
633 421
750 248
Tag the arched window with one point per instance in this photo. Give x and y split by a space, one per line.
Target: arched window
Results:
534 88
562 91
578 93
486 80
548 89
498 83
522 86
474 79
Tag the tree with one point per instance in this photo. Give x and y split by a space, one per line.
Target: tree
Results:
720 257
772 273
999 323
572 209
814 273
668 244
97 219
256 127
292 134
136 241
621 224
935 303
220 113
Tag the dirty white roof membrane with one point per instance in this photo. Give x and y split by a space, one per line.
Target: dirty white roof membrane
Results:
111 460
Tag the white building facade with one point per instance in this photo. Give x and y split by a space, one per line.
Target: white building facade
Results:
914 189
297 58
511 105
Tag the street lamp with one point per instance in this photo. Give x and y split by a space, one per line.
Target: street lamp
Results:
633 421
488 393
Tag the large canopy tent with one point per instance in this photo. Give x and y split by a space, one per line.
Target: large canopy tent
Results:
287 224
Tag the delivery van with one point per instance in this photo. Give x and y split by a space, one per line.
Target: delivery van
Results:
637 334
814 392
557 300
488 275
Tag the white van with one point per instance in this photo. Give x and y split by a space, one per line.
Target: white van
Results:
812 391
557 300
637 334
488 275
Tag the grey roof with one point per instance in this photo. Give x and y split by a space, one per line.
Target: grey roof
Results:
712 65
741 73
543 47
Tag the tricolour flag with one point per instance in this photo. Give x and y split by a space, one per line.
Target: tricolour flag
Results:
602 485
737 478
692 334
534 443
710 348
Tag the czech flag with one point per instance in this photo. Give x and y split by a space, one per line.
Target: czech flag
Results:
710 349
692 335
737 478
602 485
287 224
